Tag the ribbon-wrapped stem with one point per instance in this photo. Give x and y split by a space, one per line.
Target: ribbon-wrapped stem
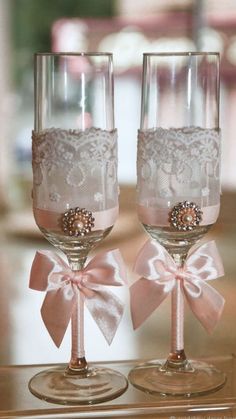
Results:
78 361
177 359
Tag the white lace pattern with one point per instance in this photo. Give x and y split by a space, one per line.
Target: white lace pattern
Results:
178 164
73 167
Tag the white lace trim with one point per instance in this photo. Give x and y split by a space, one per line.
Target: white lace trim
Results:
178 162
69 161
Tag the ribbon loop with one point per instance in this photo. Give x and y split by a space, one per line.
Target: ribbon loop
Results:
51 274
159 274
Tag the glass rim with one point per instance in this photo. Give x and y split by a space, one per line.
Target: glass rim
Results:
180 54
76 54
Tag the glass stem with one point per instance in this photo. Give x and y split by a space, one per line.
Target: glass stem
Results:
78 363
177 319
177 360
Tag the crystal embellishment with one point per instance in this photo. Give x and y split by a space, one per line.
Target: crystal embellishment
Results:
77 222
185 216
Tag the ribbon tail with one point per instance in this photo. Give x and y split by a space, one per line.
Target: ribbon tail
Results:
207 307
145 296
107 311
56 313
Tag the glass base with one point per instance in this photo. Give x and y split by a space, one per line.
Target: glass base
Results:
96 385
199 378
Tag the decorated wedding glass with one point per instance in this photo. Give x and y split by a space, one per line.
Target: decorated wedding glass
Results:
178 193
75 204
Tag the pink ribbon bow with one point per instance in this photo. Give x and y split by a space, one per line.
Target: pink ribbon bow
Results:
159 275
50 273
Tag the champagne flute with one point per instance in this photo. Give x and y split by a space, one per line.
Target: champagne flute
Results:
178 188
75 197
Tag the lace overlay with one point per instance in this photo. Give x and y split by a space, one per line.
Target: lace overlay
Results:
178 164
75 168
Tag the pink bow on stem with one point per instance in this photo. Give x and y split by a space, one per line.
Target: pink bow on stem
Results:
159 275
50 273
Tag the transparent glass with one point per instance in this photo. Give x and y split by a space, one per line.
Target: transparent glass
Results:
74 184
178 163
132 404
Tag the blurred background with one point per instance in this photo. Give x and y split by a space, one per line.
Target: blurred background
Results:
127 28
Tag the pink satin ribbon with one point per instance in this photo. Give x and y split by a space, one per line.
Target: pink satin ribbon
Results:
50 273
51 219
160 216
159 275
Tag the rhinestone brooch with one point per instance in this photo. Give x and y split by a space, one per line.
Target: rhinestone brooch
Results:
185 216
77 222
